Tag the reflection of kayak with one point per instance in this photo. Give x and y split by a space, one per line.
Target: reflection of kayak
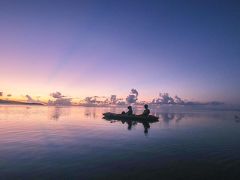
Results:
114 116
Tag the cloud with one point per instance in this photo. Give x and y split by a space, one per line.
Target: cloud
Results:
90 100
57 95
132 97
113 99
30 99
103 100
96 100
165 98
178 100
60 99
134 91
61 102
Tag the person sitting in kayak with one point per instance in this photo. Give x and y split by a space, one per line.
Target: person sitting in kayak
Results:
146 112
130 111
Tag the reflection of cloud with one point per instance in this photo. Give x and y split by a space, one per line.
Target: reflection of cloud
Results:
179 117
166 117
90 113
131 124
132 97
56 113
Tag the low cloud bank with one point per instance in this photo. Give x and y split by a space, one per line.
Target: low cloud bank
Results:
91 100
115 100
57 98
60 100
165 98
103 100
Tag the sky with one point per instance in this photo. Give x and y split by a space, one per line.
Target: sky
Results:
86 48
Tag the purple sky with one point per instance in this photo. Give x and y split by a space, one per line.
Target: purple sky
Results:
86 48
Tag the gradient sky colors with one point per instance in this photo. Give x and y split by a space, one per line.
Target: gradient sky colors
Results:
86 48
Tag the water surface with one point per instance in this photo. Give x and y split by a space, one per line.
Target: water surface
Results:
40 142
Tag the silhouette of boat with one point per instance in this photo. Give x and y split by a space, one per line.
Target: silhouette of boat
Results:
140 118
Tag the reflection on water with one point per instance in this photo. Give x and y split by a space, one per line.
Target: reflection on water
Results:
56 113
39 142
163 117
131 124
166 117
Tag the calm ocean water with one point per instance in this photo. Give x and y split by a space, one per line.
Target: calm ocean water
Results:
40 142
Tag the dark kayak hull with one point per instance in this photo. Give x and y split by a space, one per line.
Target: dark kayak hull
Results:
114 116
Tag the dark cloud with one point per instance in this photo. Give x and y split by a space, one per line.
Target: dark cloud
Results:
113 99
134 91
165 98
57 95
132 97
178 100
9 95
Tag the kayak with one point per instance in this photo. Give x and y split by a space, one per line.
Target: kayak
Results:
114 116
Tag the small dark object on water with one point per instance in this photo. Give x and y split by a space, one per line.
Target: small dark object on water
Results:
113 116
236 117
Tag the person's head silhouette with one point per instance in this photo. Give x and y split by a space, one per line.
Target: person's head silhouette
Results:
146 106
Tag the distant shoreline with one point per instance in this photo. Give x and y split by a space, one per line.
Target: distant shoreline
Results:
18 103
